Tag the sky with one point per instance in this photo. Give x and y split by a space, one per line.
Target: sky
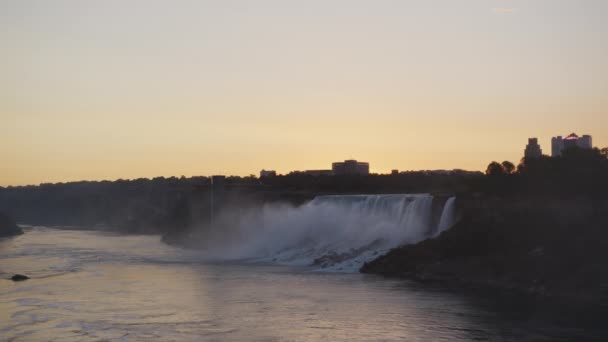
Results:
93 90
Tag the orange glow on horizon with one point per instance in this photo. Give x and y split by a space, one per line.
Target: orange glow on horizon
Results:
109 90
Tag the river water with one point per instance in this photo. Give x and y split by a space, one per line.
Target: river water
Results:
95 286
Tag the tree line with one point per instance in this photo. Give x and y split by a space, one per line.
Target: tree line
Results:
577 172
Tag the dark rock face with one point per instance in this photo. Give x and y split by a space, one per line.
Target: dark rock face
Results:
19 277
547 247
8 227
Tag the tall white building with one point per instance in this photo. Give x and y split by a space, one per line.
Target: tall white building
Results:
558 144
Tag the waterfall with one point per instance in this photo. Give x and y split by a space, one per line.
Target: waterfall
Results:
337 233
448 216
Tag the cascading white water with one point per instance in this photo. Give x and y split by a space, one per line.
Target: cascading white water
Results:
333 232
448 216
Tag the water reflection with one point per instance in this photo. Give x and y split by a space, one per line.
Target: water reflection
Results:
92 286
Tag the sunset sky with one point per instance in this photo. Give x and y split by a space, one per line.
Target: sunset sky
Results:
107 89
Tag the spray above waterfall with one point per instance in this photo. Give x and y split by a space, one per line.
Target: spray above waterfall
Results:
332 232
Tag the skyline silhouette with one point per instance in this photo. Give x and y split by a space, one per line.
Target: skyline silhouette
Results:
128 89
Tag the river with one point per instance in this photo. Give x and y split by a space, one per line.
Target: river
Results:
96 286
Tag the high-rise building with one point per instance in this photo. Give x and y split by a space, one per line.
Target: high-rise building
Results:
558 144
350 167
533 150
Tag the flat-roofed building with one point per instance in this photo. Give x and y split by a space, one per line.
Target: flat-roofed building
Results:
350 167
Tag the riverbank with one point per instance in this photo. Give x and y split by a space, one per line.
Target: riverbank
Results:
548 247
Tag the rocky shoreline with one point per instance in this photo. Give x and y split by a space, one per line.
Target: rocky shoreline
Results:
554 248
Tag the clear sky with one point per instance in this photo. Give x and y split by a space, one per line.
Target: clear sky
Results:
125 89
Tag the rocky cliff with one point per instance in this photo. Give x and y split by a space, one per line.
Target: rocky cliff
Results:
546 246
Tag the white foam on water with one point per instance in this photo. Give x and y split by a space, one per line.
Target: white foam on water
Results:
337 233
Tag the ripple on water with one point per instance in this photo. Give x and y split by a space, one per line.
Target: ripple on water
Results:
89 286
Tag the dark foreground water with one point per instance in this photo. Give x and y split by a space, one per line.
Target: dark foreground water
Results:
98 286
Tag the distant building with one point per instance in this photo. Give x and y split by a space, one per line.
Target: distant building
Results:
585 142
558 144
267 173
533 150
347 167
395 172
350 167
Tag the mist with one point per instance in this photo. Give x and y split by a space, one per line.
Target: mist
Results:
337 233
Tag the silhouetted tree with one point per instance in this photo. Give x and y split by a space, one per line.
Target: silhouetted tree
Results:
495 169
508 167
